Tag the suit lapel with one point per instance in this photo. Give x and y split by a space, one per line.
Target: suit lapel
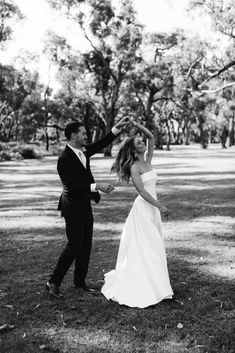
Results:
77 163
73 155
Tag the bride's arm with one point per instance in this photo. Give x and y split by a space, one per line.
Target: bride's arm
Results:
150 140
135 176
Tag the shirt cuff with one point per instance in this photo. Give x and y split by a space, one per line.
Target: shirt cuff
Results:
115 131
93 186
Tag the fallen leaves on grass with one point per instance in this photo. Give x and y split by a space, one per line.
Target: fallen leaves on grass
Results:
43 346
179 301
9 306
6 327
200 346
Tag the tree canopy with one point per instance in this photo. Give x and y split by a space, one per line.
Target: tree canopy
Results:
180 85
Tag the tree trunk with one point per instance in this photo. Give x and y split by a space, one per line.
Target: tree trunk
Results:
17 127
203 132
186 132
231 131
224 136
179 135
10 130
108 149
204 139
168 136
57 135
47 140
86 122
158 138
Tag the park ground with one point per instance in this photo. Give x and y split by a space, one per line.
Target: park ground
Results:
197 185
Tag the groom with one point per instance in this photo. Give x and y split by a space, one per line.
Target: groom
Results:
79 189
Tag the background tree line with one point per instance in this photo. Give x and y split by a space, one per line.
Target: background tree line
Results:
181 86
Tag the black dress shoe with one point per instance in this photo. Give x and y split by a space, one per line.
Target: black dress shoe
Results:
85 288
53 290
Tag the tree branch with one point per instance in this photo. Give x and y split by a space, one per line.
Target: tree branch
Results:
141 103
192 66
217 73
99 53
217 89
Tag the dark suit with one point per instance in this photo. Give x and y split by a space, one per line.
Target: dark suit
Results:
75 206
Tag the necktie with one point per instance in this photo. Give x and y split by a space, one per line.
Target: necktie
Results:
82 158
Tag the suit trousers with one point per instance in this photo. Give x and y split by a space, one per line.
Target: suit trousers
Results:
79 229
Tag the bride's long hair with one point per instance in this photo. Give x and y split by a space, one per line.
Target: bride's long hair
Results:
125 158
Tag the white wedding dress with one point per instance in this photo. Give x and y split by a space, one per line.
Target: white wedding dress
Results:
140 278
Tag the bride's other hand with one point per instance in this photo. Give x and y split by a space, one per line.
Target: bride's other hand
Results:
133 122
164 210
123 123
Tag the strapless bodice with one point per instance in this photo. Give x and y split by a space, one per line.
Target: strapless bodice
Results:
152 174
149 180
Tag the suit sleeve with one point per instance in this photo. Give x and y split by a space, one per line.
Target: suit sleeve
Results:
69 181
99 145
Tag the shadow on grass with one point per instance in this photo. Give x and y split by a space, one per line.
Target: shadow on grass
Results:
85 321
199 236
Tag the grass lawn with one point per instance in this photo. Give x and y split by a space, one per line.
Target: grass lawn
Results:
197 185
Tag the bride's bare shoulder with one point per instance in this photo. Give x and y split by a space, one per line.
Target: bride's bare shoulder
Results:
135 168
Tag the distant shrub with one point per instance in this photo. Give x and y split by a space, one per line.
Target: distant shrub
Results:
55 150
30 152
15 151
5 156
16 156
2 146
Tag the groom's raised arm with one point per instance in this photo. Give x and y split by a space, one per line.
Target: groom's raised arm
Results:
107 139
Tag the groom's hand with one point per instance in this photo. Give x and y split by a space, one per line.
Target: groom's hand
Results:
124 122
105 187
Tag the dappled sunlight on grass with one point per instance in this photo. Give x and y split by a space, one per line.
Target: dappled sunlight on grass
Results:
199 178
26 189
83 339
223 270
207 225
29 220
197 186
18 196
9 177
32 237
113 227
178 188
215 235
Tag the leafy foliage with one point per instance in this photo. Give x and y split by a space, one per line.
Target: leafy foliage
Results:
8 12
180 86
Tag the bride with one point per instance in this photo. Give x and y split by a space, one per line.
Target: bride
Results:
140 278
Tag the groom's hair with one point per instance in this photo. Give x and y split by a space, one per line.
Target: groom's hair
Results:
72 127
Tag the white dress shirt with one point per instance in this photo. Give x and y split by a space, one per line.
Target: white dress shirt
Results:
79 153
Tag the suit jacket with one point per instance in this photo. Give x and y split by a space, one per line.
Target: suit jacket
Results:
76 179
